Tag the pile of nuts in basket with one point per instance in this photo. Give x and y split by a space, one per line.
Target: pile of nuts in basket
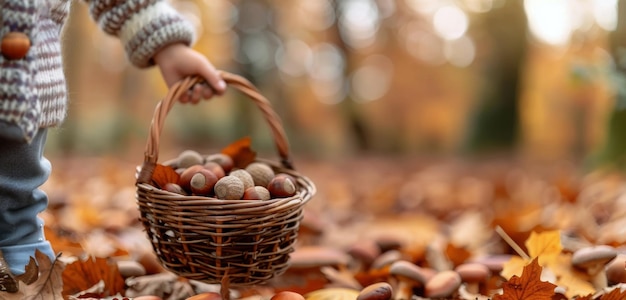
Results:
217 175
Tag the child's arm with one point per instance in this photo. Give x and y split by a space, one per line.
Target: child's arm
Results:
177 61
152 32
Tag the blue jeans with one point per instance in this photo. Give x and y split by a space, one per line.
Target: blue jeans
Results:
23 169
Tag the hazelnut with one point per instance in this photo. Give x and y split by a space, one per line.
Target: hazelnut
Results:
256 193
215 168
174 188
185 176
291 177
202 182
229 187
261 173
244 176
282 186
189 158
222 159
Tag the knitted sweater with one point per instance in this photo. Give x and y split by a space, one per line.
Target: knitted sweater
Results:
33 89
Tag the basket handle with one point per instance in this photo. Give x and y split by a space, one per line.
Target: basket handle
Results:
151 154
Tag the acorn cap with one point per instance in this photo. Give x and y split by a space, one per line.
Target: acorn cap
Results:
593 256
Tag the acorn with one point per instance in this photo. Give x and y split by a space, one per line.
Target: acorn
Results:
229 188
261 173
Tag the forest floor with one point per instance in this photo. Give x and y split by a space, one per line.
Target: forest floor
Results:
437 214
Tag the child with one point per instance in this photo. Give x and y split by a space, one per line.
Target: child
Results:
33 96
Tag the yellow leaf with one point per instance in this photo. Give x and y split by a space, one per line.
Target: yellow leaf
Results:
575 285
513 267
544 244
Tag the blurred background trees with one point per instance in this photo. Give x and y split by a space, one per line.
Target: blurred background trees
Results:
392 77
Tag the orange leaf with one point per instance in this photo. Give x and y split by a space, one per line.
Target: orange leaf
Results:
84 274
164 174
528 286
241 152
615 294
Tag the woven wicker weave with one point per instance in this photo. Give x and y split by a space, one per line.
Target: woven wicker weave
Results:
205 238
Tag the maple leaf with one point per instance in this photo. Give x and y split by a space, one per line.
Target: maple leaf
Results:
163 174
241 152
528 286
81 275
545 245
615 294
47 285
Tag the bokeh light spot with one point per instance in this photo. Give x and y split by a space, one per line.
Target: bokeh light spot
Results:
450 22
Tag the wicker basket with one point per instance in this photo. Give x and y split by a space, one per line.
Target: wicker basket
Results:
205 238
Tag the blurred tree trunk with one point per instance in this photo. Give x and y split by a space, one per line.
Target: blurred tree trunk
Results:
614 151
494 124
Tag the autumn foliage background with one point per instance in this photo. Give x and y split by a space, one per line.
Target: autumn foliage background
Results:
432 120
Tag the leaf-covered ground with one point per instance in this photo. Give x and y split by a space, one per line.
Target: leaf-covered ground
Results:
524 220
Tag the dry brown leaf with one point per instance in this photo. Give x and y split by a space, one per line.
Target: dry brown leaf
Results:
63 244
528 286
81 275
457 255
48 285
241 152
615 294
164 174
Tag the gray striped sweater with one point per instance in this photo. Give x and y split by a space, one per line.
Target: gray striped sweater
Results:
33 89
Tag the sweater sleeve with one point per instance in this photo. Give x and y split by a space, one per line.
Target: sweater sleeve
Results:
143 26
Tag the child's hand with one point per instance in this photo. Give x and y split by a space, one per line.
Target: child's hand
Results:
178 61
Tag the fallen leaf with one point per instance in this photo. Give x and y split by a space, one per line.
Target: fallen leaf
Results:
513 267
545 245
81 275
31 272
528 286
615 294
164 174
457 255
241 152
61 243
48 285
